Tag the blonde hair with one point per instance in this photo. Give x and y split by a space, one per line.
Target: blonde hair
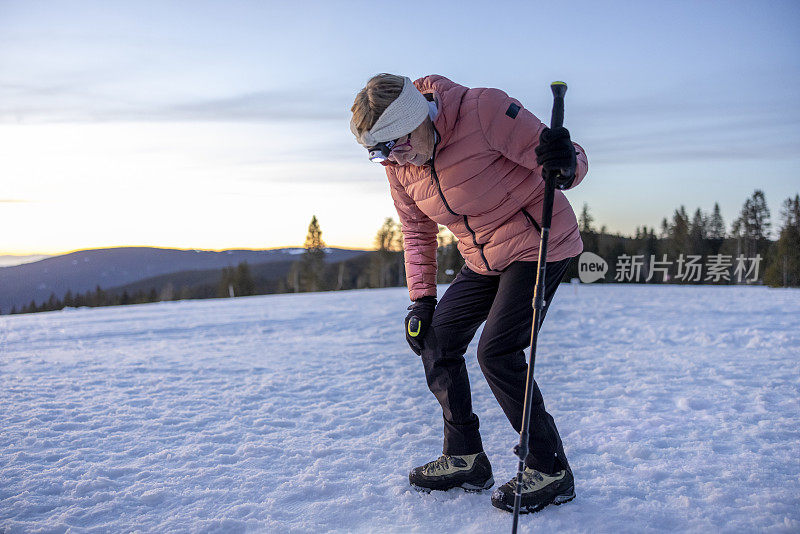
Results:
380 91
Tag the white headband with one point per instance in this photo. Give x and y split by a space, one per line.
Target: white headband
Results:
402 117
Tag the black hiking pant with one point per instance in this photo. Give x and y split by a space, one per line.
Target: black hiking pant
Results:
505 303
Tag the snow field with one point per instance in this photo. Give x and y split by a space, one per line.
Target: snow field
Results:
679 408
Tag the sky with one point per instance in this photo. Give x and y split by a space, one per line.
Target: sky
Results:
216 125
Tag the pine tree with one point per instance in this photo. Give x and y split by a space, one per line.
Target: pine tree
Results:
752 227
716 230
698 233
791 212
651 242
399 244
167 292
100 298
341 275
244 280
385 262
585 220
387 238
678 232
448 257
784 270
664 234
716 225
758 217
312 266
293 277
51 303
227 283
588 234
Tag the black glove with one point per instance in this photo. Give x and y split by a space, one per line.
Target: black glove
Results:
418 320
556 154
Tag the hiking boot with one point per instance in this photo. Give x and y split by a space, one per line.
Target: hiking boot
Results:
538 490
471 472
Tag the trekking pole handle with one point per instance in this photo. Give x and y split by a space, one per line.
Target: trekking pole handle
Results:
556 121
559 90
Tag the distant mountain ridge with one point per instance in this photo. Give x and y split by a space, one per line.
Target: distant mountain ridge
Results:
204 283
9 260
85 269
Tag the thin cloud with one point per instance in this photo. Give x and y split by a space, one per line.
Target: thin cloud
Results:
687 154
261 106
639 129
674 130
21 103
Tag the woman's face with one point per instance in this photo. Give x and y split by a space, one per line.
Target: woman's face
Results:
415 148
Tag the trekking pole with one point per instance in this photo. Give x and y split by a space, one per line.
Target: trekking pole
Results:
521 450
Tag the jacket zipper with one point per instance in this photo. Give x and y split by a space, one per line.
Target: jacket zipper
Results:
532 220
435 177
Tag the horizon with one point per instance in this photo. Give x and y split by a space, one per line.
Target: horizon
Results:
224 144
6 259
597 225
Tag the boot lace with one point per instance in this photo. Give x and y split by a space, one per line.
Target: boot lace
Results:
441 463
529 479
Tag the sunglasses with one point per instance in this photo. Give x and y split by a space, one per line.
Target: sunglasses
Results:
381 152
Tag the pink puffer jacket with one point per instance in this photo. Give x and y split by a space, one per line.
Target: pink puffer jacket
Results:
484 186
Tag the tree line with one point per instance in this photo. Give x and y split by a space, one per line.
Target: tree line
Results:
681 235
383 267
705 235
680 239
234 281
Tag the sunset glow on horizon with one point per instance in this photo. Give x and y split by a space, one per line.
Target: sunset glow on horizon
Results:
222 126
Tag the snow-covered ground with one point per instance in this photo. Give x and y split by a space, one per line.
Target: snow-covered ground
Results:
679 408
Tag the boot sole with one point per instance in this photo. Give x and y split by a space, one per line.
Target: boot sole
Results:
472 488
466 486
558 500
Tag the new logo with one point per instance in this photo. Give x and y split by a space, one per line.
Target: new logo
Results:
591 267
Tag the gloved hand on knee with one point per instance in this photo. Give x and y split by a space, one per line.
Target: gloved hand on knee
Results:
418 320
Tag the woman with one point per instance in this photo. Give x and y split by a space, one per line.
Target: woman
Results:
472 160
